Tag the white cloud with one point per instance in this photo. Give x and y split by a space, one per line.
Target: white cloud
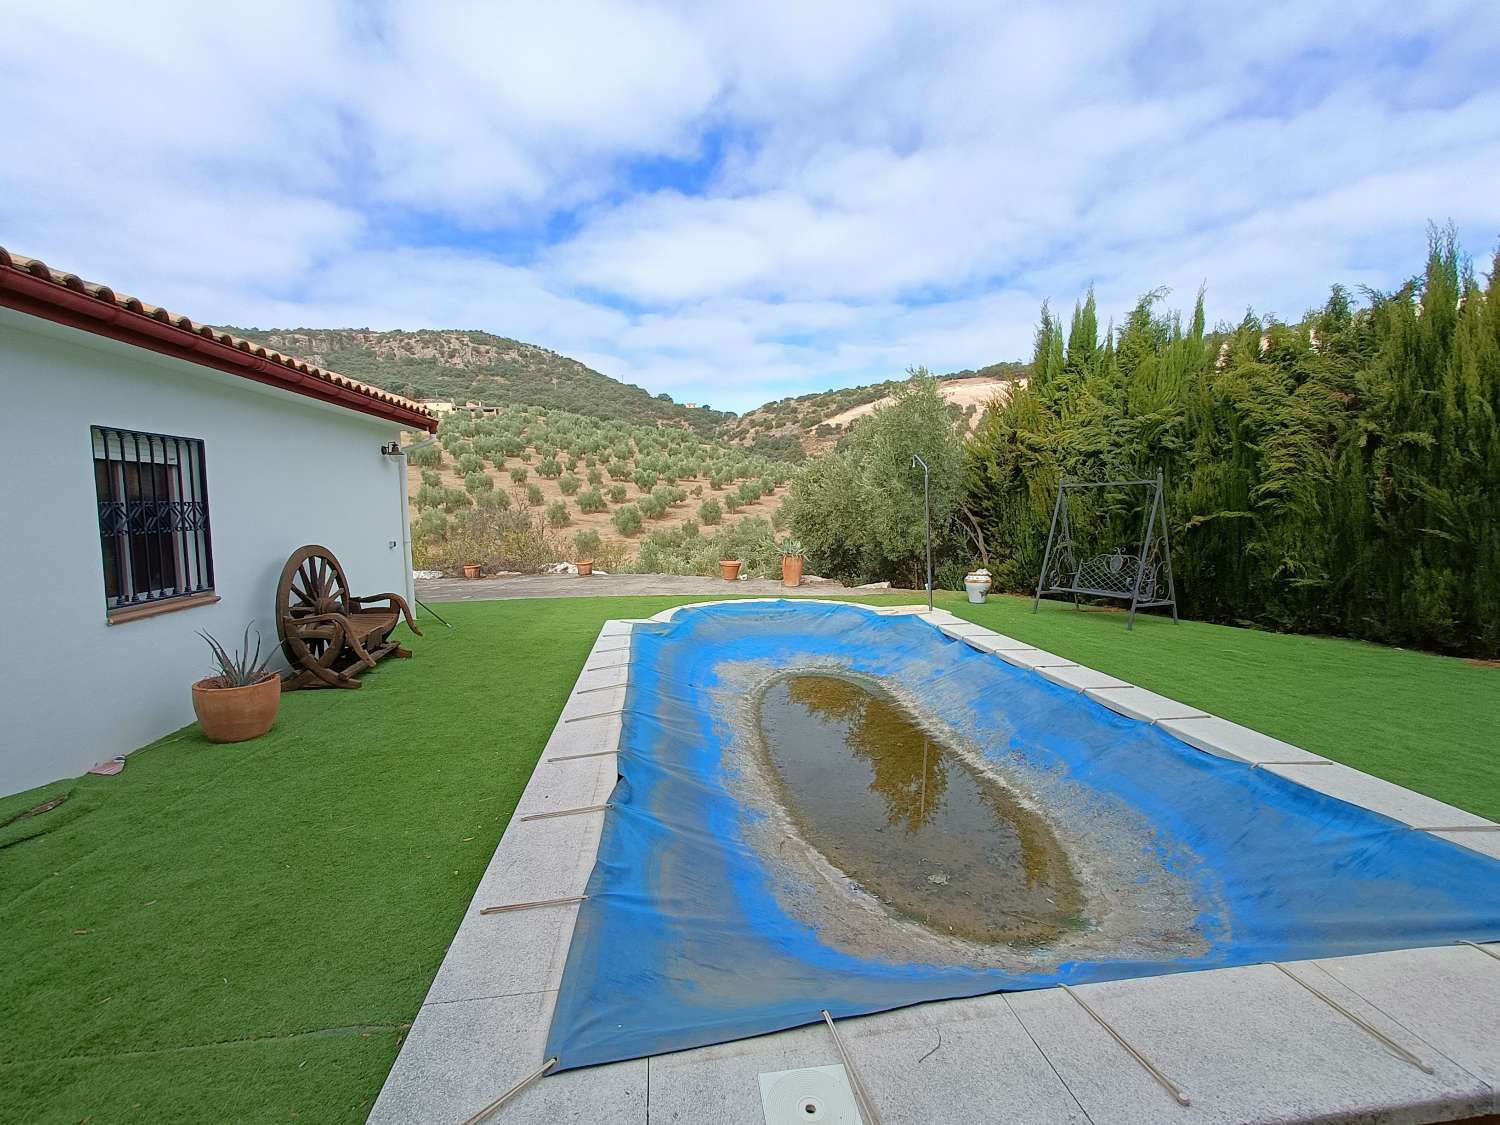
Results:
890 183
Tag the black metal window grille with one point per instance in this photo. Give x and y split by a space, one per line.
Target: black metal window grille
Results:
153 516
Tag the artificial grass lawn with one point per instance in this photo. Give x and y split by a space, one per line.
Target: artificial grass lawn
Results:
1430 723
243 933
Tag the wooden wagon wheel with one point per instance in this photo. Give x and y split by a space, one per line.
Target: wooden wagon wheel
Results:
312 583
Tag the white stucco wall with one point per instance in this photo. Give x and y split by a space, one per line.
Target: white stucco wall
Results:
283 470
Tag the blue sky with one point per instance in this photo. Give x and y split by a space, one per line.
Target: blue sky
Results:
731 203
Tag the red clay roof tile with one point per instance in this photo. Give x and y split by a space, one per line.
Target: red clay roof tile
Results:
341 389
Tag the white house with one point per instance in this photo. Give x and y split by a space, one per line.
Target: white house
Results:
161 474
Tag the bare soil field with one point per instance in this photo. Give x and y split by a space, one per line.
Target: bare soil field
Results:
965 392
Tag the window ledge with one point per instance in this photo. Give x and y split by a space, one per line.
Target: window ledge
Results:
152 609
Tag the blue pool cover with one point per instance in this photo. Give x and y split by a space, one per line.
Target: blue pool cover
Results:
693 933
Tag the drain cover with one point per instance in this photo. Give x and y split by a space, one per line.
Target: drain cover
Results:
814 1094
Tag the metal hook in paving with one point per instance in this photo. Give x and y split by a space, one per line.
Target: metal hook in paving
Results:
597 715
1385 1040
1488 952
565 812
590 754
1178 1095
861 1095
605 687
1457 828
512 1092
506 908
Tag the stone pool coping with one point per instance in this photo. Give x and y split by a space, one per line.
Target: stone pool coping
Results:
1246 1044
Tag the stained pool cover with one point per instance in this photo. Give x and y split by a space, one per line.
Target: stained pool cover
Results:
820 807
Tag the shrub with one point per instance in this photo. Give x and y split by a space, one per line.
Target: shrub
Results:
627 520
617 494
689 529
455 499
710 512
478 482
470 463
591 500
587 543
428 455
568 483
533 494
432 478
697 490
548 467
618 470
731 502
519 474
428 496
557 513
596 478
652 507
645 480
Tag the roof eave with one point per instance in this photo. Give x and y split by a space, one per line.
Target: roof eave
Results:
74 308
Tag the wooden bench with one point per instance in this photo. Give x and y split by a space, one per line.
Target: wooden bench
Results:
328 634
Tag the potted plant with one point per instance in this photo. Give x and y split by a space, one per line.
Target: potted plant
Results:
585 567
239 702
977 583
791 563
471 570
730 569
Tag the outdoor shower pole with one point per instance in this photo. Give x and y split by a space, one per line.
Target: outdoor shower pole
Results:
916 460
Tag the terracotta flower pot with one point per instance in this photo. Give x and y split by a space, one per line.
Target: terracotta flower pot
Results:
791 570
730 569
585 567
236 714
471 570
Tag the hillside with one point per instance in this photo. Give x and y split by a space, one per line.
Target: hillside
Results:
476 366
811 423
522 487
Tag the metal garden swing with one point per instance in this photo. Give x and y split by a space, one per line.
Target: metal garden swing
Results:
1143 579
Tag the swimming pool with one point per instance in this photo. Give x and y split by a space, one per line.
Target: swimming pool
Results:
823 807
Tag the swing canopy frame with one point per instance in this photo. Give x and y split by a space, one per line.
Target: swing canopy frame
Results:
1144 578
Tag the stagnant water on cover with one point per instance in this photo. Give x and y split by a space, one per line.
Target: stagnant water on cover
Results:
909 819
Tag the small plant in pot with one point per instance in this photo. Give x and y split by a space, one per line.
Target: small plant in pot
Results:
239 702
791 562
729 569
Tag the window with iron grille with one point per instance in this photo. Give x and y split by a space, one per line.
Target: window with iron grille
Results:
153 516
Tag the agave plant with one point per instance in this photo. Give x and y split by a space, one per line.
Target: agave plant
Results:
790 547
240 669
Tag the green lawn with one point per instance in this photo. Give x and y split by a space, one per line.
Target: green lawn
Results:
241 933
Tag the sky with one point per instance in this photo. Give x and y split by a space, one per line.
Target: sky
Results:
733 203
